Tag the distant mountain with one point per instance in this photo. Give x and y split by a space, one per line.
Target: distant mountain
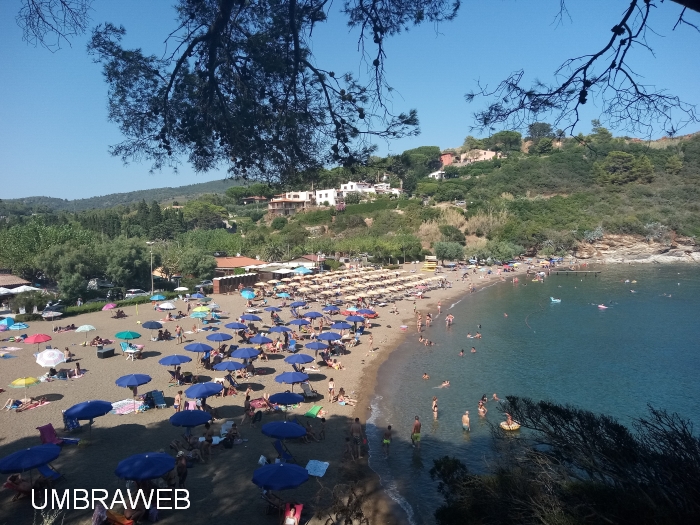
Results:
180 193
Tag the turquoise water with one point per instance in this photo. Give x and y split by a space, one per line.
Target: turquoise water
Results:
643 349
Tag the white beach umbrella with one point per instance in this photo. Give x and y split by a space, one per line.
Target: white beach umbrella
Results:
166 306
50 358
181 289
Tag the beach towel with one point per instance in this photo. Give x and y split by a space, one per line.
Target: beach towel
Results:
6 355
316 468
126 406
314 411
34 405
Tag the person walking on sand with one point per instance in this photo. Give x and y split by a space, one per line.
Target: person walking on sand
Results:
178 333
177 405
415 433
465 421
356 433
371 343
386 441
331 390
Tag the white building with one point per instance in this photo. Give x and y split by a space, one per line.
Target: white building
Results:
328 196
290 203
355 187
386 189
437 175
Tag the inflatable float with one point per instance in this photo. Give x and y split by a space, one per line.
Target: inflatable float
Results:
602 307
512 426
555 300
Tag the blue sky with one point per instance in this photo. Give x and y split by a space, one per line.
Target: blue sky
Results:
54 133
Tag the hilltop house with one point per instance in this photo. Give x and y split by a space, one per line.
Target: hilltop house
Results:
356 187
328 196
437 175
290 203
386 189
254 200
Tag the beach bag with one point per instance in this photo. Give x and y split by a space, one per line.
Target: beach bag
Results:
227 443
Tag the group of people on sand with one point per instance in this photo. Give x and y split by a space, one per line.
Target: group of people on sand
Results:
68 328
98 341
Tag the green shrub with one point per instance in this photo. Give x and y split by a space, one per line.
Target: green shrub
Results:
83 309
25 318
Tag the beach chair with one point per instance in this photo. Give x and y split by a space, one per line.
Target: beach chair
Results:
273 503
47 434
191 405
283 452
296 368
124 347
159 399
49 472
298 508
173 381
308 392
292 347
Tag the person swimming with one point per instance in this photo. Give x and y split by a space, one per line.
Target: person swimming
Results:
469 335
445 384
461 353
425 376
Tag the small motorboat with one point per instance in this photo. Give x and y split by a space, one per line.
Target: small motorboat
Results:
602 307
512 426
555 300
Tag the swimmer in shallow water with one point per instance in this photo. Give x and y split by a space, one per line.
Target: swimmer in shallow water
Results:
461 353
445 384
425 376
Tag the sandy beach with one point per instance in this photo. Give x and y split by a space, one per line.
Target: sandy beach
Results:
222 487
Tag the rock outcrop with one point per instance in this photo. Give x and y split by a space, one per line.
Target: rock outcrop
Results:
635 248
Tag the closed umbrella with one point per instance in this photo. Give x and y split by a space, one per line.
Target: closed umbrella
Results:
201 390
235 326
140 467
284 429
29 458
298 359
50 358
280 476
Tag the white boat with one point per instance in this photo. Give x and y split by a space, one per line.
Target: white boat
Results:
555 300
602 307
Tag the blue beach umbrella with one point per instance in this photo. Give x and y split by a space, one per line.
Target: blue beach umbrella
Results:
273 309
203 390
316 345
89 410
7 321
29 458
283 429
366 311
283 295
175 360
245 353
152 325
133 380
280 476
329 336
235 326
140 467
247 294
260 339
302 270
313 315
19 326
218 337
355 318
331 309
291 378
297 304
198 347
286 398
228 366
197 296
190 418
299 322
250 317
298 359
198 315
157 297
279 329
341 325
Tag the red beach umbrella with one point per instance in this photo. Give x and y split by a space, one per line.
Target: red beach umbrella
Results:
37 338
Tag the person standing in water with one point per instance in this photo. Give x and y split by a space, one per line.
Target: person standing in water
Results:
386 441
439 305
415 433
465 421
435 406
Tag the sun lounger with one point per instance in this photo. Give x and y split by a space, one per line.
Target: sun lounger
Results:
273 502
307 391
298 508
283 452
159 399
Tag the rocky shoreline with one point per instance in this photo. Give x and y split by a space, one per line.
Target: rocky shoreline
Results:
637 249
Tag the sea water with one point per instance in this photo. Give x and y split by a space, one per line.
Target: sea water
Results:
642 349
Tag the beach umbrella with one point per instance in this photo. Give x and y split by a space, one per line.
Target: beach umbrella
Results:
201 390
316 345
7 321
352 309
313 315
303 270
284 429
291 378
286 398
50 358
247 294
197 296
298 359
19 326
51 315
219 337
157 297
331 309
201 309
355 318
329 336
235 326
198 347
86 328
299 322
245 353
166 306
260 339
273 309
25 382
127 335
89 410
341 325
250 317
175 360
38 339
279 329
29 458
366 311
133 380
190 418
297 304
152 325
109 306
280 476
140 467
228 366
283 295
205 300
198 315
181 289
213 306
